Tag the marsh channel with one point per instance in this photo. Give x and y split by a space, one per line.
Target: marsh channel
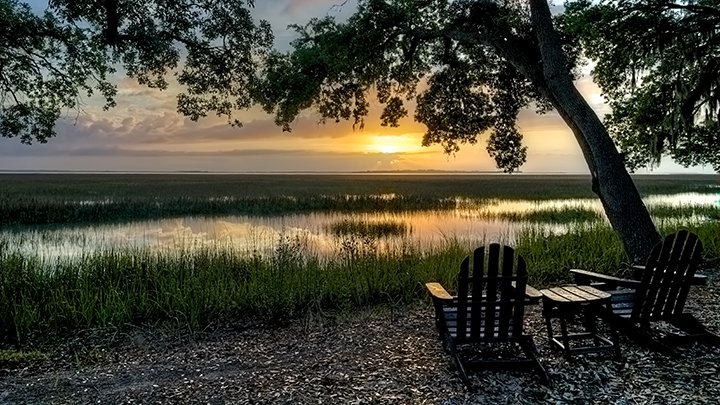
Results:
325 233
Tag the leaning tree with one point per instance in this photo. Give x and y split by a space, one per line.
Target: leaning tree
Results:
471 66
51 62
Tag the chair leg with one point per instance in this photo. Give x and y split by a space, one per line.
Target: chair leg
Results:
564 336
445 346
603 313
528 347
548 326
452 348
533 348
461 369
690 325
616 341
642 337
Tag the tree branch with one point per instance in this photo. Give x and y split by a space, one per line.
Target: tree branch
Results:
694 8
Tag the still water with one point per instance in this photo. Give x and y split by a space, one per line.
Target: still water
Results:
470 221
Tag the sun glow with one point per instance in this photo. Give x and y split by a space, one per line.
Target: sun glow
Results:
394 144
387 148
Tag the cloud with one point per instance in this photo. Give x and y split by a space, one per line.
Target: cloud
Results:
40 150
261 128
283 12
146 126
301 7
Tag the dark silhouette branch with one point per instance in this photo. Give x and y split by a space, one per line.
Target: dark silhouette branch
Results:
694 8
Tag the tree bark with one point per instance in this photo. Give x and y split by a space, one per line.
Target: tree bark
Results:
611 181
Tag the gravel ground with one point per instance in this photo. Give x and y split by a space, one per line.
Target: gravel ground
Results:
376 356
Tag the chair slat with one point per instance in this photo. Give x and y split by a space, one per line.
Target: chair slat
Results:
673 273
652 278
694 248
502 287
463 295
519 290
492 285
478 284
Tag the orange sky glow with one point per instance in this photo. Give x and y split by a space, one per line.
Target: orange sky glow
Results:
145 133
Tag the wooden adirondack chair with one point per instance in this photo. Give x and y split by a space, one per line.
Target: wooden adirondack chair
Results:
489 308
657 294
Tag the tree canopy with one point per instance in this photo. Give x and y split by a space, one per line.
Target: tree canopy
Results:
49 62
443 55
658 64
457 60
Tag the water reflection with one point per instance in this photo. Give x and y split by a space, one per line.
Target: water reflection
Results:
684 199
471 221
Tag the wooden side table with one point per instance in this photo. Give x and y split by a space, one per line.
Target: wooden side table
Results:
562 303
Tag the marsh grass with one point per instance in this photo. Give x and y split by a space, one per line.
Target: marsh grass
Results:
562 215
685 211
34 199
550 255
367 229
51 211
195 288
198 287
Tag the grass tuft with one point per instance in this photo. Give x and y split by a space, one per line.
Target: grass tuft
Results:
552 215
14 357
369 229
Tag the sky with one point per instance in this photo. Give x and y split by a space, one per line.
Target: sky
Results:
145 133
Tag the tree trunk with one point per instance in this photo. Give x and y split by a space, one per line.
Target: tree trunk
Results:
611 181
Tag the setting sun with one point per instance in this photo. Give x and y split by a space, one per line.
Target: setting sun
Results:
394 144
388 148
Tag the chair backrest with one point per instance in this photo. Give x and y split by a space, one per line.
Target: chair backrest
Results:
491 300
667 276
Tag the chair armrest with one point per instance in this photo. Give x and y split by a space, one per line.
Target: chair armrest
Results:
437 292
586 277
637 267
698 279
531 294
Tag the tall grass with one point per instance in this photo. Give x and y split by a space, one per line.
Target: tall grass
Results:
686 211
199 287
369 229
550 255
550 215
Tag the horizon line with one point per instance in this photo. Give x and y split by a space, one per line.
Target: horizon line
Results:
324 172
